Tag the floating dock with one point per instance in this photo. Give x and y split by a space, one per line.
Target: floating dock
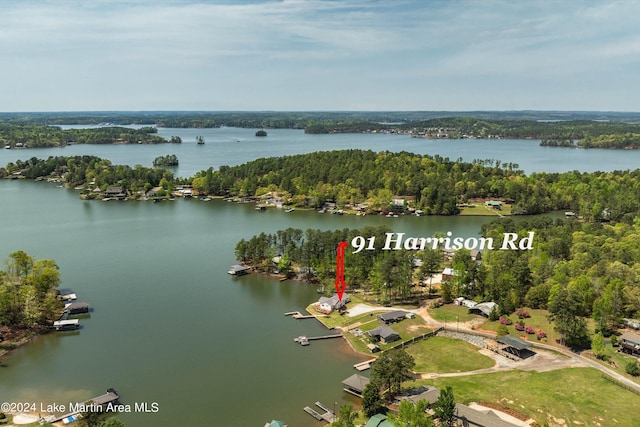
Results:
363 366
327 415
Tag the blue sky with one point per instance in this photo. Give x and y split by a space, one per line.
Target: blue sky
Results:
319 55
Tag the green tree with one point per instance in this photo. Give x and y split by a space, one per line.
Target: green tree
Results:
347 416
412 415
372 402
391 369
597 345
444 408
564 306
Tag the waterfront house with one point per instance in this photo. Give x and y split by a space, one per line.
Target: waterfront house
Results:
470 417
495 204
327 305
115 192
430 394
484 308
392 316
384 334
630 343
355 384
379 420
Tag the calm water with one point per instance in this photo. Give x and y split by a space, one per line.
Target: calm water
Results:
232 146
169 325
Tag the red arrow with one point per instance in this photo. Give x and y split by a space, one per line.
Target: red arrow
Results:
340 283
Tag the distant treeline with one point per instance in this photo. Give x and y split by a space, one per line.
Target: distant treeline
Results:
435 184
37 135
514 125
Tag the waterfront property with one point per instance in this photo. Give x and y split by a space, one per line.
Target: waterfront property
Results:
393 316
470 417
355 384
630 343
384 334
327 305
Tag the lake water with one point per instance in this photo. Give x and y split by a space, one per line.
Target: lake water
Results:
169 325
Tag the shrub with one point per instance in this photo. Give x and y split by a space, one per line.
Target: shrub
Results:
505 320
519 327
541 334
614 341
522 314
502 330
529 329
632 368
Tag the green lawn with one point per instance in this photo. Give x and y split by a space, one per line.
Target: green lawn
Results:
449 312
482 210
616 361
538 320
579 396
443 355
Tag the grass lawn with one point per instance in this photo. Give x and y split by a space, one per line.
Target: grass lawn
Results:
481 210
616 361
448 312
538 320
579 396
444 355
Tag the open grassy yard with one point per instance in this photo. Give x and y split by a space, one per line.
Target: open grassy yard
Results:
444 355
538 320
578 396
449 312
615 360
481 210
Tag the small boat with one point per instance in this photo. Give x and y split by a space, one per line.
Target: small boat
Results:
289 210
261 208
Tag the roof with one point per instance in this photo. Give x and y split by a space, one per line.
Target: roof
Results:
430 394
383 331
514 342
486 418
630 336
77 305
275 423
66 322
238 267
356 382
392 315
379 420
334 301
485 307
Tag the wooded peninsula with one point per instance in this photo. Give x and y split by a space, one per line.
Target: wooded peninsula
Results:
362 179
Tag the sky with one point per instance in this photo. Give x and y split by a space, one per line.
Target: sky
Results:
319 55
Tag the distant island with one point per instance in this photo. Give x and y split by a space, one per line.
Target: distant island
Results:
168 160
261 132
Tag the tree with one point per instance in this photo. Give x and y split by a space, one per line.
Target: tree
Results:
371 400
564 305
391 369
430 265
597 345
347 416
444 408
412 415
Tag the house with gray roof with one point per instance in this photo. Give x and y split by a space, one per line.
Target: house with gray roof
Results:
470 417
630 343
355 384
392 316
484 308
384 334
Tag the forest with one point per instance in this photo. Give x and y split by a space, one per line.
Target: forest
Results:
28 292
434 184
577 270
39 135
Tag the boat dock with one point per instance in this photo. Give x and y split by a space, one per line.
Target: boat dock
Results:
110 396
327 416
363 366
302 340
298 315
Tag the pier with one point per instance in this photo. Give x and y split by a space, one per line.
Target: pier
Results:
363 366
327 415
110 396
298 315
302 340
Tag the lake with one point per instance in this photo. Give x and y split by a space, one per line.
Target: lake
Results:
169 326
